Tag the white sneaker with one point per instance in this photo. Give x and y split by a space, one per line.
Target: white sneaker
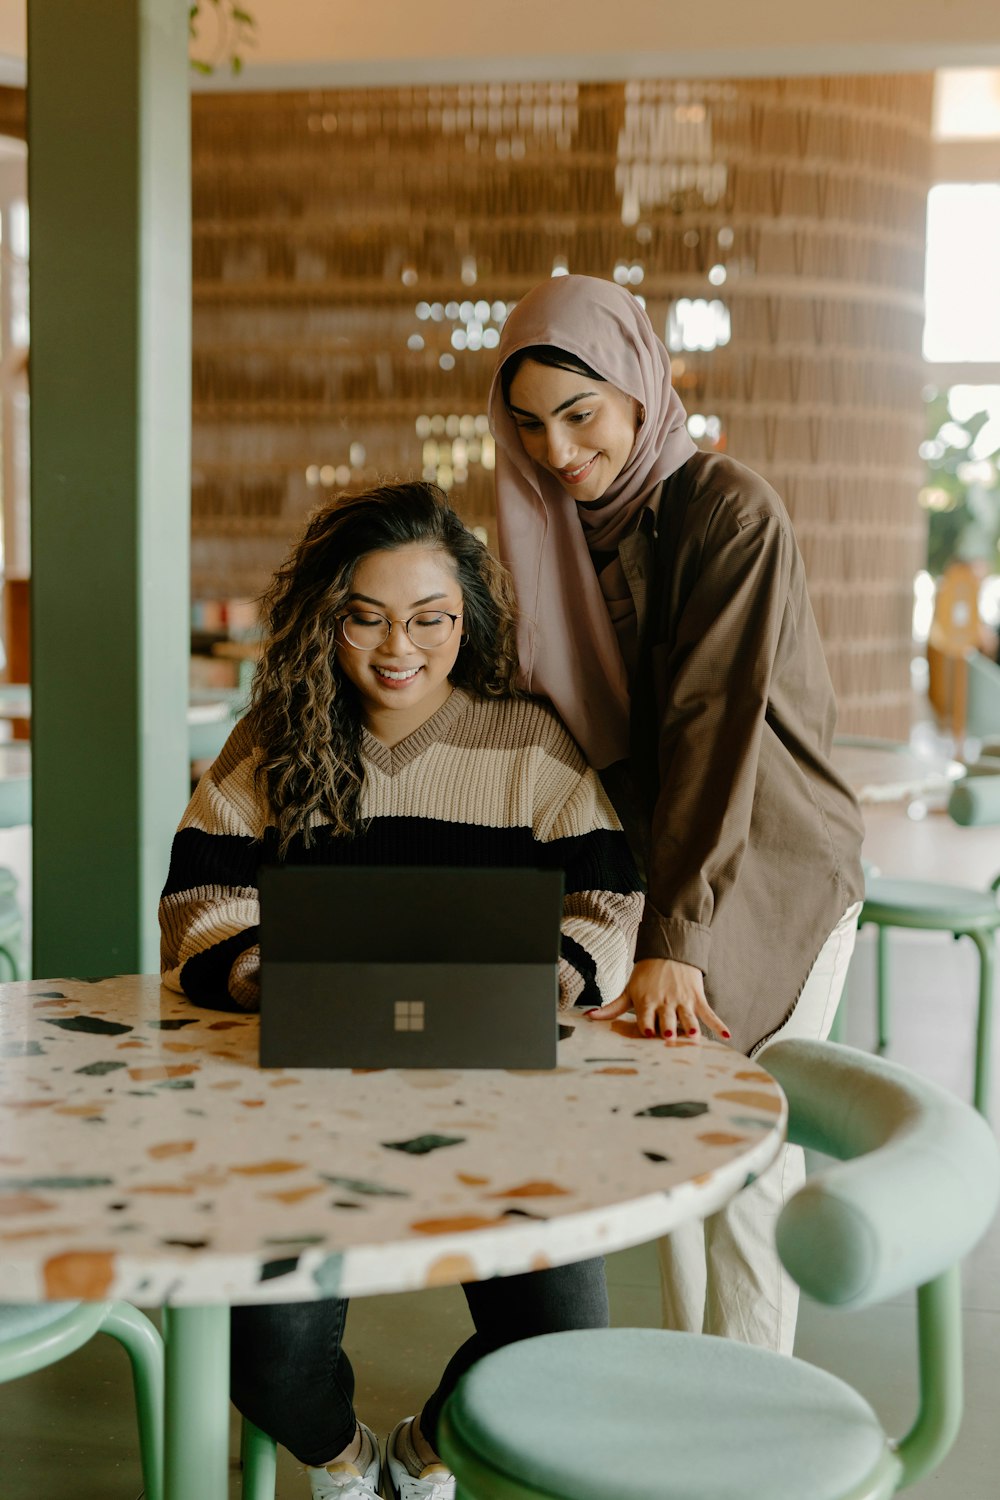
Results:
345 1481
436 1482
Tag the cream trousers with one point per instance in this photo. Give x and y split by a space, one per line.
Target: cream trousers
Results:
723 1275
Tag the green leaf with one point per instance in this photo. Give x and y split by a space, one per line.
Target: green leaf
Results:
201 67
236 64
242 15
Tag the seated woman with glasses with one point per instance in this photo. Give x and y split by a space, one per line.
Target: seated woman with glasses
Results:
384 729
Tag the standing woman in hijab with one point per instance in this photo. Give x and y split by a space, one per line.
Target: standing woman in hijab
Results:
664 613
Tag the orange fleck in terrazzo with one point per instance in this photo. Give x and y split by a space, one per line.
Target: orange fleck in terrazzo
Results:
166 1189
457 1225
447 1270
721 1138
267 1168
85 1274
161 1071
23 1203
753 1098
534 1190
291 1195
50 1231
170 1148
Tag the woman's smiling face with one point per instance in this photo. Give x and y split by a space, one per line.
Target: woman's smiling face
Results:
400 681
578 429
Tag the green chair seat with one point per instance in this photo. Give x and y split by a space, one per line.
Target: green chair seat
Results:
19 1318
922 903
702 1415
641 1414
33 1336
928 906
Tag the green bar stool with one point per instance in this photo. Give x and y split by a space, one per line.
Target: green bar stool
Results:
961 910
640 1412
35 1335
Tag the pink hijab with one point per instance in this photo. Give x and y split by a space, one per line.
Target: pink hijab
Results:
567 643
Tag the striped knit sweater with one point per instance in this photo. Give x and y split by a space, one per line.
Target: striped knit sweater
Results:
481 783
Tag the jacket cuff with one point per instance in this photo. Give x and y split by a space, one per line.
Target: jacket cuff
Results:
672 937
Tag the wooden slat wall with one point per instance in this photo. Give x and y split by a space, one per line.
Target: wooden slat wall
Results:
323 219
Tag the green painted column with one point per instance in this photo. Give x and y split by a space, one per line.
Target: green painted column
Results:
109 196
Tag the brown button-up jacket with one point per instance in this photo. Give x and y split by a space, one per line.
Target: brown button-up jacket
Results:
754 842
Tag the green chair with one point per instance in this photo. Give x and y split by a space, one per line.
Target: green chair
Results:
11 948
637 1412
961 910
35 1335
982 696
260 1463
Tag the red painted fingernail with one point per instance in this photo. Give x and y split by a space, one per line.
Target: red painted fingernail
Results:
693 1031
647 1032
668 1032
726 1034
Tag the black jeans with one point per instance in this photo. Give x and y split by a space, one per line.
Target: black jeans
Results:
291 1377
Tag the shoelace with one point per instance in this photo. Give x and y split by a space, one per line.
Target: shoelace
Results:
346 1487
416 1489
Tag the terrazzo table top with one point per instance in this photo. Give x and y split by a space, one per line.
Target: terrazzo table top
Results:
144 1154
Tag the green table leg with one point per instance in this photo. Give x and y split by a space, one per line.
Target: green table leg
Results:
984 941
197 1403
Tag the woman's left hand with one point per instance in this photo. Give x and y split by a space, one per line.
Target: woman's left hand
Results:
668 999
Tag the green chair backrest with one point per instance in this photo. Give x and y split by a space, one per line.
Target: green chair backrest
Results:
915 1187
975 801
918 1183
982 702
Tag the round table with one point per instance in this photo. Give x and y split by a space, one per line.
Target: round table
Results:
883 771
145 1156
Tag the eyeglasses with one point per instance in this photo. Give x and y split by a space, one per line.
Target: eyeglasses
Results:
365 631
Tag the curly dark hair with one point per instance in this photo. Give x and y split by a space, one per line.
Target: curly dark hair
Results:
304 715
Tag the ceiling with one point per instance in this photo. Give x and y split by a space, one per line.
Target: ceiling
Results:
311 42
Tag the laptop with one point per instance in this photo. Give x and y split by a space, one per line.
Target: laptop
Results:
409 967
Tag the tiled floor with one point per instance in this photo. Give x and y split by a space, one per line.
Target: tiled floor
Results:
68 1431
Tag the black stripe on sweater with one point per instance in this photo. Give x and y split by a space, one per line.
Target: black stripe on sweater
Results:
595 861
583 963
